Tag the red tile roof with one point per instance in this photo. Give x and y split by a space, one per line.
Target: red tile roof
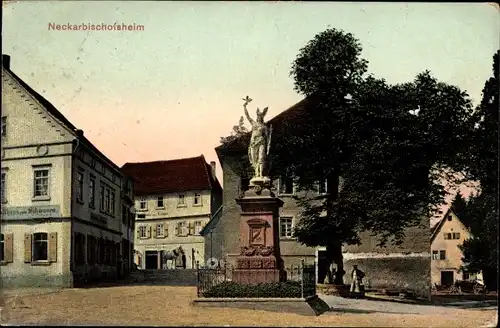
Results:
176 175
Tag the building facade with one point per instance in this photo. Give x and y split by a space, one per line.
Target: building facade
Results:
61 197
174 200
448 234
404 266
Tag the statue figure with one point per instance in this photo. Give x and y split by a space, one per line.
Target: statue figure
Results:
260 142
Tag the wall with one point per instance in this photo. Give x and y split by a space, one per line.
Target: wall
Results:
172 209
394 266
20 274
170 216
81 208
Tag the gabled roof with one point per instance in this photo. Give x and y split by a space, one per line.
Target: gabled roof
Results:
178 175
437 227
54 112
213 221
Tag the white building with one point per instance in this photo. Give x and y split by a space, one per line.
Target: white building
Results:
62 202
173 200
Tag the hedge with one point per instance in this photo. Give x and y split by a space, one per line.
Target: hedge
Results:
288 289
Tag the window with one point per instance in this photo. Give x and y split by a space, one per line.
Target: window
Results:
112 205
101 198
143 232
41 183
79 186
456 235
107 200
92 192
442 255
182 229
160 230
124 214
159 202
286 227
40 247
447 235
197 227
449 217
143 204
181 201
2 190
285 186
197 199
4 126
141 216
79 248
2 248
435 255
90 250
322 187
465 276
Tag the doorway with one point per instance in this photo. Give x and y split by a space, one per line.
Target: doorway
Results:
447 278
152 260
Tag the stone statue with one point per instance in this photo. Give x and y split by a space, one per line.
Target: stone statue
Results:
260 142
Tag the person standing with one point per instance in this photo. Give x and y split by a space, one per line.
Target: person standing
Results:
357 280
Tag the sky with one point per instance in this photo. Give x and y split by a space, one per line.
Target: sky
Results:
174 88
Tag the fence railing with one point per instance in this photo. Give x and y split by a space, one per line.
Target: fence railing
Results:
299 282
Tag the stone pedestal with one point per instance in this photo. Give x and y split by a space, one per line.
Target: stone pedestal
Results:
259 259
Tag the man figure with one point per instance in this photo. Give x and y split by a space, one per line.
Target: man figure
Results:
357 281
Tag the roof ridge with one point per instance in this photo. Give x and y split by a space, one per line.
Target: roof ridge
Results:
163 161
205 165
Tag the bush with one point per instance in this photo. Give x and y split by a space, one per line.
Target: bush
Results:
290 289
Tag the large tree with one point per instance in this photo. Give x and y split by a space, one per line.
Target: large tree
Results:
390 144
481 251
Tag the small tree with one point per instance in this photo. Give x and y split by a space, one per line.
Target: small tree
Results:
459 206
239 130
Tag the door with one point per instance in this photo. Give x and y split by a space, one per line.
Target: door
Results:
447 278
151 260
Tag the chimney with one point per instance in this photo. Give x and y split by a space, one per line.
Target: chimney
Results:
212 165
79 132
6 61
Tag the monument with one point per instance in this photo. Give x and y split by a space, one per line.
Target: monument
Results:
259 259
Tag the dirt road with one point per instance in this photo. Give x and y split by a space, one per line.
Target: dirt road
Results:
171 305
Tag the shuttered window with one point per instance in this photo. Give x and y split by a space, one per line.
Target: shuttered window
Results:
40 247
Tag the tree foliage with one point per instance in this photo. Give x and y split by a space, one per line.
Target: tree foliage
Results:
481 251
239 130
390 143
459 206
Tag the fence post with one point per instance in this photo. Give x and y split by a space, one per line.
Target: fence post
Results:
197 281
301 278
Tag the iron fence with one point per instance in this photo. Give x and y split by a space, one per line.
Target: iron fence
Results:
299 281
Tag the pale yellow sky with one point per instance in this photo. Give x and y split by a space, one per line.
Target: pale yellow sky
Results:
173 89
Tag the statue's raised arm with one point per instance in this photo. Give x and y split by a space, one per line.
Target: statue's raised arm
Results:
247 101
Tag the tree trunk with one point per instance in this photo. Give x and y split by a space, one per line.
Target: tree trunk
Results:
334 250
334 256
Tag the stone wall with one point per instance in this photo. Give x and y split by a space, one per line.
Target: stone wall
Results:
411 273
